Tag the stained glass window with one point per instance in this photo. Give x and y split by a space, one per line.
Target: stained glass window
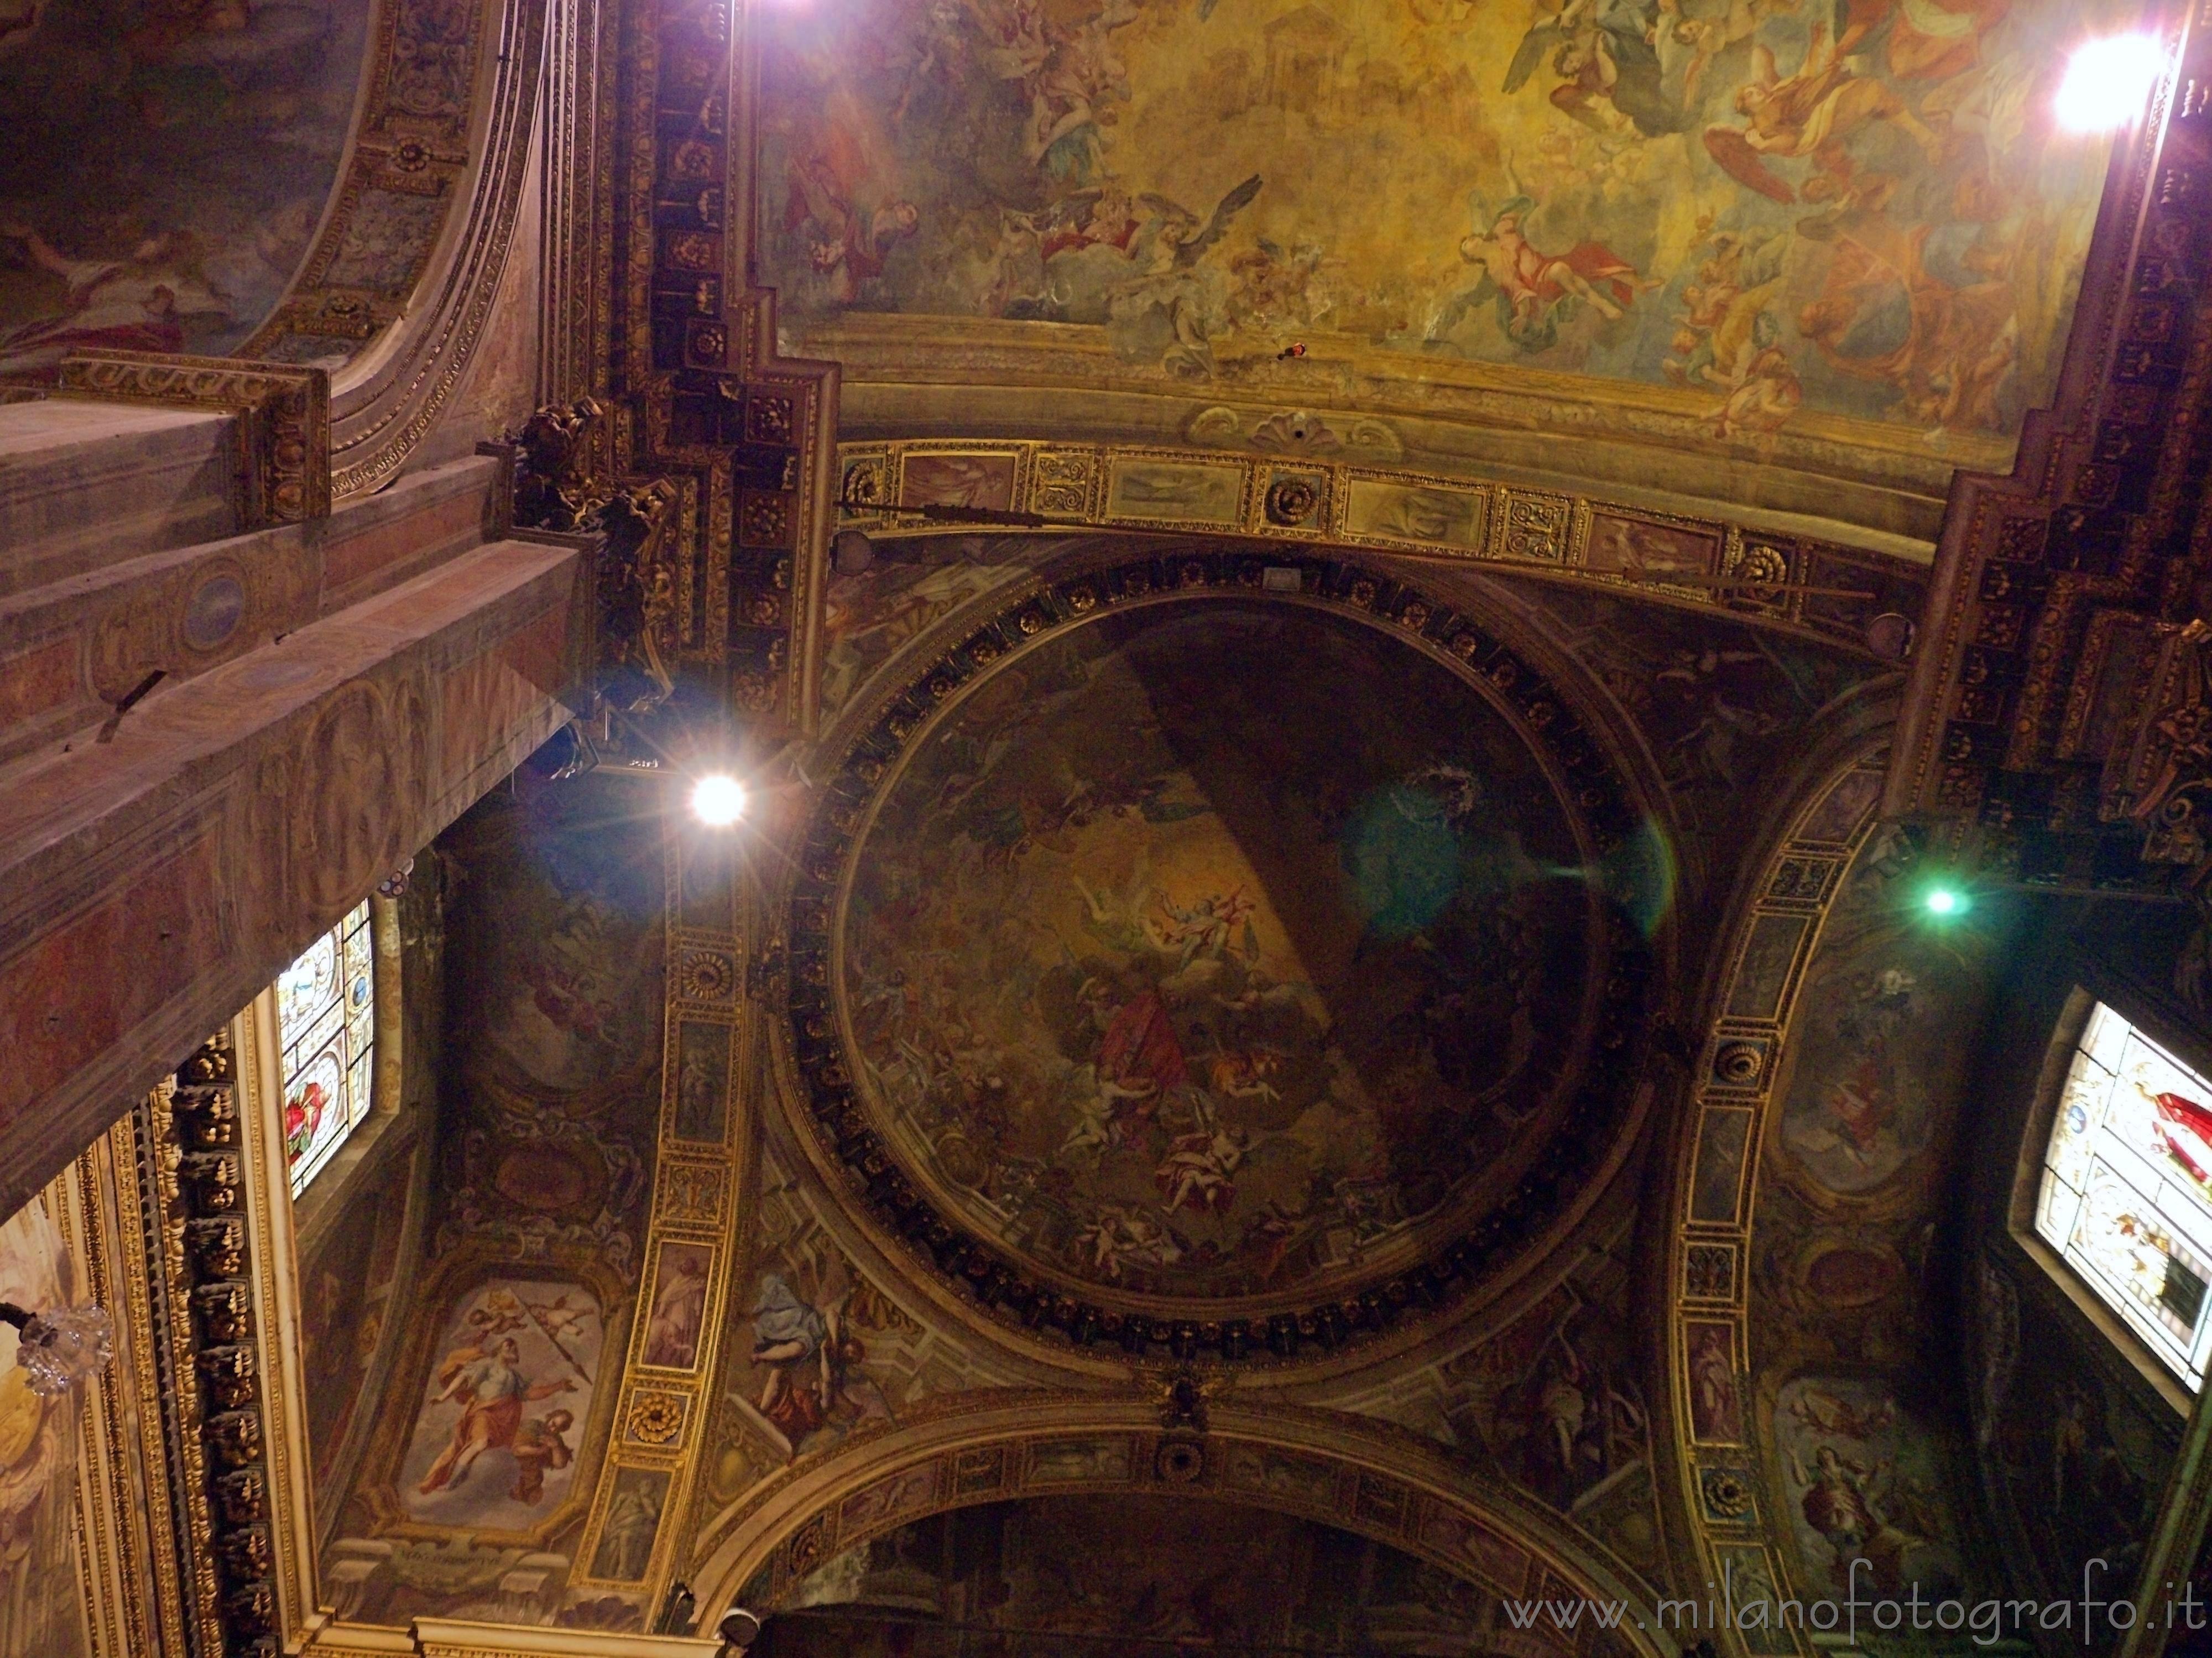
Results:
326 1025
2127 1188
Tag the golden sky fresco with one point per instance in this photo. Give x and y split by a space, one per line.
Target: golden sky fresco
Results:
1861 209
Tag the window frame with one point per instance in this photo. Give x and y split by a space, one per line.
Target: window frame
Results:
257 1038
2090 988
318 1161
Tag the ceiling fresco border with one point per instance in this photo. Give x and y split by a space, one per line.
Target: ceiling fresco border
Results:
666 1400
926 371
1856 478
810 1045
1708 1255
1367 1476
1862 601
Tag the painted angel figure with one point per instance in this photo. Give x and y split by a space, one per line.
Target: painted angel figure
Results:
1603 52
1175 303
812 1359
144 301
1807 114
847 245
1531 286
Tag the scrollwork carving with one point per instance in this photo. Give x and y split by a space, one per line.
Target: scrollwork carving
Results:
283 417
560 485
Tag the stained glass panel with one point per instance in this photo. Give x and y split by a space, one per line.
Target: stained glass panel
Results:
326 1027
2126 1197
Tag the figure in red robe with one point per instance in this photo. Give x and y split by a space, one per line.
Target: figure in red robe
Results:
492 1391
1140 1047
2184 1127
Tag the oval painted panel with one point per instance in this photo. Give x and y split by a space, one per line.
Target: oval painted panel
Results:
211 614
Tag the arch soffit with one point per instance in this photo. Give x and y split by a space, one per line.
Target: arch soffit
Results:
1381 1482
1720 1499
399 280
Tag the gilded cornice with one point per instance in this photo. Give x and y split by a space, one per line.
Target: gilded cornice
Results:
1854 481
2058 701
400 279
282 420
1310 487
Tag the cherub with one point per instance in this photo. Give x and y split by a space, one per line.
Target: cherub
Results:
1531 286
1244 1075
1763 400
1602 52
1202 929
1809 115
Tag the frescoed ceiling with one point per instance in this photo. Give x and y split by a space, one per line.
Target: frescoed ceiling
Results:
1804 241
1219 1014
1318 1025
169 166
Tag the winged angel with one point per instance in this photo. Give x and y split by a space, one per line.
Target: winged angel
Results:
810 1355
1534 291
1603 52
1174 303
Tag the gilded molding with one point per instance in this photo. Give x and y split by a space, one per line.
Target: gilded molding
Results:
401 278
283 420
453 1637
233 1547
1860 600
275 1310
168 1450
2047 682
123 1546
710 405
696 1167
1708 1247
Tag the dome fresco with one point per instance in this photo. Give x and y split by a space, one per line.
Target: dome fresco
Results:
1214 956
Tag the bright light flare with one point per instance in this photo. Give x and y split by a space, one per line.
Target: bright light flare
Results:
718 800
2108 82
1945 901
